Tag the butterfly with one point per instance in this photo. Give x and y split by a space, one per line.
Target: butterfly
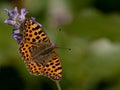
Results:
38 52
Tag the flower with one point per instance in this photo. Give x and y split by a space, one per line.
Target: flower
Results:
17 35
15 19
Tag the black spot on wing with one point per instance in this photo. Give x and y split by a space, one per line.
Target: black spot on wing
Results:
36 28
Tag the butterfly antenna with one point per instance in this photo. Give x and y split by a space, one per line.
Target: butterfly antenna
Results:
64 48
60 30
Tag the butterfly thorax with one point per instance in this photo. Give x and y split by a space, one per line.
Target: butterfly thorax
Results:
47 50
41 53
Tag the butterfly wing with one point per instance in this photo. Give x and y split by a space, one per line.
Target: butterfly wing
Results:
24 50
33 32
53 68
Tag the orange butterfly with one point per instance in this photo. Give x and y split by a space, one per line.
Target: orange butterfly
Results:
38 52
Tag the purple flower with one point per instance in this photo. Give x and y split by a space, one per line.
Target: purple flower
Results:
17 35
15 19
22 15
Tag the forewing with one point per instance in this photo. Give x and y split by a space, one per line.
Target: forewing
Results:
33 32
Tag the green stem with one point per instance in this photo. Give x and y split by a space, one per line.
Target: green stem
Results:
58 85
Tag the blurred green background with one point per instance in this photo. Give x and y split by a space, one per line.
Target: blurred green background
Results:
91 28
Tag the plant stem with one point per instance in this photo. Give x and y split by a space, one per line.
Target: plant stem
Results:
58 85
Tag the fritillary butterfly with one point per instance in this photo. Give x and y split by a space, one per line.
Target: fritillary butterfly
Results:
38 52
